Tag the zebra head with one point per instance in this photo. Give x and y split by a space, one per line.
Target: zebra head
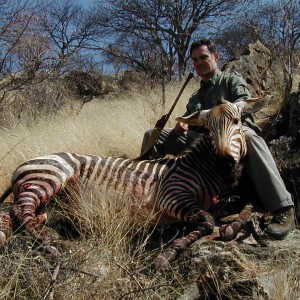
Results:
223 126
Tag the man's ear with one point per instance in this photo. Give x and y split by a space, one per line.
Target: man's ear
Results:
216 55
195 118
253 105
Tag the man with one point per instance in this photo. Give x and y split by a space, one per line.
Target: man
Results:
259 163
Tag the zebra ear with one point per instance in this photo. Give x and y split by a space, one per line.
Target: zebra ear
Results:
195 118
253 105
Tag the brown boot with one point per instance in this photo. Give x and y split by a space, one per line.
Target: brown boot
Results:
282 223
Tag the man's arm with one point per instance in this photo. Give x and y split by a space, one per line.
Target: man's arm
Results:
238 87
239 91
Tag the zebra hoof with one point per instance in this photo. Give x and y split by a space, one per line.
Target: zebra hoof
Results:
226 232
161 262
51 250
2 238
230 231
6 227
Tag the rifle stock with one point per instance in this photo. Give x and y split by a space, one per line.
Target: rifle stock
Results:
160 124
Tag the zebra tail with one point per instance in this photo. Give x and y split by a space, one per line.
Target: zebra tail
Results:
7 192
6 222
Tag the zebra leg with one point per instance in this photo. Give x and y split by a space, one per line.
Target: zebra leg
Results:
24 213
230 231
41 217
25 216
204 226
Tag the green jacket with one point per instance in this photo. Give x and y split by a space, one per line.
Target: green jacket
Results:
224 85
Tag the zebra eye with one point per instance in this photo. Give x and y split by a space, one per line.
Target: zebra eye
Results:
236 121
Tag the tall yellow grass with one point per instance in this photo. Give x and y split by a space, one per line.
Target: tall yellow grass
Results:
112 126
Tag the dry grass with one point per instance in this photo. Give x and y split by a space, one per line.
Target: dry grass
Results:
108 260
286 282
112 126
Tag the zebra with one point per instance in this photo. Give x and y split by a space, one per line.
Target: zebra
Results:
176 189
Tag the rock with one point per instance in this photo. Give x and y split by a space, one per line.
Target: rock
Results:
255 66
235 270
262 77
294 119
286 152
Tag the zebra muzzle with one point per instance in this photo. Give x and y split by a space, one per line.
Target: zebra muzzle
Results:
228 167
227 162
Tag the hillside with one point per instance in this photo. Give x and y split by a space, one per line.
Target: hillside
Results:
112 125
109 259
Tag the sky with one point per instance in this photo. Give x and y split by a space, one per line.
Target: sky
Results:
85 3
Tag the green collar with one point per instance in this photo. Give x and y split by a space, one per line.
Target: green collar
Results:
213 79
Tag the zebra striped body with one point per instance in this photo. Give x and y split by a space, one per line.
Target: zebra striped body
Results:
38 180
170 186
178 189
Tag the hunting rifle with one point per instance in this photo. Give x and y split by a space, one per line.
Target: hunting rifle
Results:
160 124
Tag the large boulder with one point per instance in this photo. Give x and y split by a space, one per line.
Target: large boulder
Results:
255 64
262 76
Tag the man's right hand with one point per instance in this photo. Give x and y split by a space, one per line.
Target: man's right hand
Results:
181 128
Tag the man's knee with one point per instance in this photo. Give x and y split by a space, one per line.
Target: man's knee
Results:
147 133
256 145
252 138
249 133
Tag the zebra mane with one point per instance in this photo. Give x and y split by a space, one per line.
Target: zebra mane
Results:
221 101
194 146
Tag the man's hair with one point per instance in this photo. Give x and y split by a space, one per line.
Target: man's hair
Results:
210 46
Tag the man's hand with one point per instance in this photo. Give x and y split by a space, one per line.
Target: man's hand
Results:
181 128
162 122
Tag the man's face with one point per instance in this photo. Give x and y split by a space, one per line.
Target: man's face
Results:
205 62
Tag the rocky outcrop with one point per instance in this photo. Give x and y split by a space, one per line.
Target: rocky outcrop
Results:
256 67
262 76
241 270
285 146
